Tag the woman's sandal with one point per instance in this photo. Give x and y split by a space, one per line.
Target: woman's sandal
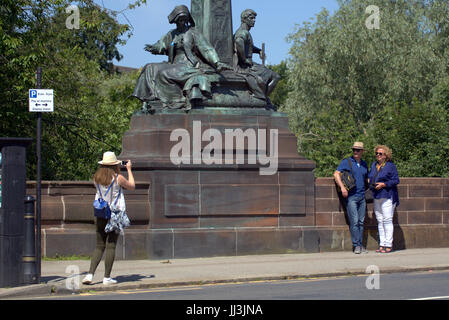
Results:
380 249
386 250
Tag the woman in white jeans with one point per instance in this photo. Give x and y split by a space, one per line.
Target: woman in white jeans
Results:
383 180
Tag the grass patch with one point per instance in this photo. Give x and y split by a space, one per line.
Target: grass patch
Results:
59 257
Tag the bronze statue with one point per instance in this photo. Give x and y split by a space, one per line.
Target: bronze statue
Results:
193 75
191 68
260 79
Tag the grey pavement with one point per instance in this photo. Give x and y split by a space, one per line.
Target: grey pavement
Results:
61 277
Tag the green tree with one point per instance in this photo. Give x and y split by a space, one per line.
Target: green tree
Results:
418 135
76 137
280 93
440 95
337 61
75 64
329 140
98 35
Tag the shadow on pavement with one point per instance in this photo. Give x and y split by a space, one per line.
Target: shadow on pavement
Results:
133 277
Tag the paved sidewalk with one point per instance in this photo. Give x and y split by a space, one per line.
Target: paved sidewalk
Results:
149 274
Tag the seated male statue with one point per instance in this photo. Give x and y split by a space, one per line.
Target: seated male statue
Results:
260 79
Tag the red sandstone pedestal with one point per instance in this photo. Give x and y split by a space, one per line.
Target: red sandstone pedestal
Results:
199 194
201 209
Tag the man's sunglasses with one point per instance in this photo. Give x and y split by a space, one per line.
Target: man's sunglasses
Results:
357 150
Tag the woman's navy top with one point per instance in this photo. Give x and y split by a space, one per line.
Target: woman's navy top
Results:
388 174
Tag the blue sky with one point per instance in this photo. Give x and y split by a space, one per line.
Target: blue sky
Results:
275 20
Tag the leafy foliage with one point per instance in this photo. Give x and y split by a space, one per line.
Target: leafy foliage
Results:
280 93
388 85
91 105
417 133
341 83
77 136
330 132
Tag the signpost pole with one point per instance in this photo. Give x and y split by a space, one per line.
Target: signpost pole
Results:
38 181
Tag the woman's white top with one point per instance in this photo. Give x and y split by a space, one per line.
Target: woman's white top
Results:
112 195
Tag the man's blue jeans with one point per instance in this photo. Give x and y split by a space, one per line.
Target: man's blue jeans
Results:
356 207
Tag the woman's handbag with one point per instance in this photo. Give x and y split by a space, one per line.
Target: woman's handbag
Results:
119 219
373 182
101 207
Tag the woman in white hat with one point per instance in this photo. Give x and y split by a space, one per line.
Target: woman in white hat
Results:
108 174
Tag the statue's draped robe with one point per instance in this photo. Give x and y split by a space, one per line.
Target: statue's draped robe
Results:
189 65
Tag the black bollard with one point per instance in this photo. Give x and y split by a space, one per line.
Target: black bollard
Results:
29 247
11 212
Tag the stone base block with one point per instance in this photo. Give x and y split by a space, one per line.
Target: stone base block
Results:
161 244
232 191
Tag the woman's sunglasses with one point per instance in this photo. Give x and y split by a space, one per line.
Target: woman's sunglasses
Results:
379 154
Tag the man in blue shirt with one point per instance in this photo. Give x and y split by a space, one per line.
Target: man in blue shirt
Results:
355 198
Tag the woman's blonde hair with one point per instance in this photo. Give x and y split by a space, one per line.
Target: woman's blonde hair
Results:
105 174
387 151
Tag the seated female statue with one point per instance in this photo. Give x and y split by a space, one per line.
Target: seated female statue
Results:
191 68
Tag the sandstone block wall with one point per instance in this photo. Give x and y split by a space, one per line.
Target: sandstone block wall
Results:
421 220
423 201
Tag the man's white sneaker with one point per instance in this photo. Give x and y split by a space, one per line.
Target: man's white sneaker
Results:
88 278
107 281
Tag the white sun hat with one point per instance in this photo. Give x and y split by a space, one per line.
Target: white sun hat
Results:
109 159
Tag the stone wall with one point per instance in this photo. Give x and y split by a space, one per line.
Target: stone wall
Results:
423 201
421 220
68 204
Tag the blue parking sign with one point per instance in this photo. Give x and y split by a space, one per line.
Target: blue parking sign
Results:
41 100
